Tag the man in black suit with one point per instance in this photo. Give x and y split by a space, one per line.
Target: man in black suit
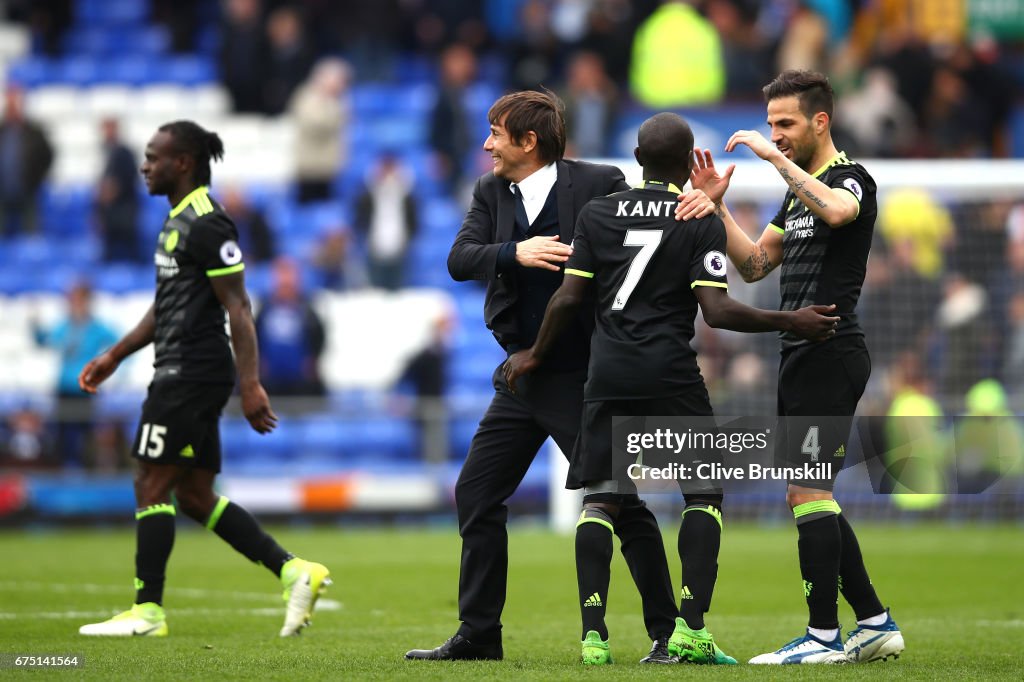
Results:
516 236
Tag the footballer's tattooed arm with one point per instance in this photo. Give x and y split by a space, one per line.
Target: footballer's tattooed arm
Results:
757 266
798 187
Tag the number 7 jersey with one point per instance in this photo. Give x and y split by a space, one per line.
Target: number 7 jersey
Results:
645 266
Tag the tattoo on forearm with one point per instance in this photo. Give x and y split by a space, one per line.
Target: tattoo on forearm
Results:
720 211
798 187
757 266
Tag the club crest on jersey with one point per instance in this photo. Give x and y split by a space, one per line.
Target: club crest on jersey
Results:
854 187
230 253
714 263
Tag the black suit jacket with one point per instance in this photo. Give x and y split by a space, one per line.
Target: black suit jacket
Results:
490 222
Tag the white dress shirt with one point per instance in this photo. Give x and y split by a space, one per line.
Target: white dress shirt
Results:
535 190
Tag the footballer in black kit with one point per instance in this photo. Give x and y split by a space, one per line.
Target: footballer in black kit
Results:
651 272
199 285
641 362
194 371
821 237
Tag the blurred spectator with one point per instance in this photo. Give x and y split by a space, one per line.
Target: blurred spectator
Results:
78 338
677 59
181 17
117 198
426 374
913 215
534 55
899 303
291 336
386 215
244 54
321 111
450 132
1013 367
254 234
804 41
47 19
989 439
611 25
25 159
747 53
590 106
954 123
964 317
26 443
881 124
290 58
437 23
916 453
331 258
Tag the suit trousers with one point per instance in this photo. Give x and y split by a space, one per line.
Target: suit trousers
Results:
547 403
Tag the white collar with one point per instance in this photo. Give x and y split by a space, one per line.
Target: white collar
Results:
538 184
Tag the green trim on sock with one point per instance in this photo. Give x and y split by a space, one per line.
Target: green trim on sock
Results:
154 509
816 506
221 505
707 509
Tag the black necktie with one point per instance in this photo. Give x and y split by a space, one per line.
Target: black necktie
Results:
520 209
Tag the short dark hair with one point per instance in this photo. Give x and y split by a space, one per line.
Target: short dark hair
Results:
202 145
541 112
811 89
665 143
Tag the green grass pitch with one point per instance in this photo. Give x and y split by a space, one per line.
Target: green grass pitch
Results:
955 590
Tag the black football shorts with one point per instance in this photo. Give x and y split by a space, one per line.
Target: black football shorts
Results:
179 424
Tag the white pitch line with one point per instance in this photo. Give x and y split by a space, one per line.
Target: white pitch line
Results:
91 588
321 605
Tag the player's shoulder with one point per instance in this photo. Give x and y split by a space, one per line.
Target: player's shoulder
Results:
843 165
601 177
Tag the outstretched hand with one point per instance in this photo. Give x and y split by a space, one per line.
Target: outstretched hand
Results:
705 176
756 141
813 324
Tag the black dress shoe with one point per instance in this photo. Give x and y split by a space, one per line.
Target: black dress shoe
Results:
659 653
458 648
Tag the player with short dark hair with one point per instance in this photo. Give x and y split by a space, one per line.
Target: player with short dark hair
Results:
199 274
821 237
651 273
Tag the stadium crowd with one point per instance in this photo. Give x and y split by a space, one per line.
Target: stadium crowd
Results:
914 79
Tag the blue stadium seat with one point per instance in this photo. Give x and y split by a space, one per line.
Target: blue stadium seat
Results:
32 72
193 70
140 70
105 12
81 71
461 433
385 437
382 99
121 278
151 40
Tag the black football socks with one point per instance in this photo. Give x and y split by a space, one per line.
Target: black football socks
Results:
820 546
239 529
700 538
594 548
854 581
154 539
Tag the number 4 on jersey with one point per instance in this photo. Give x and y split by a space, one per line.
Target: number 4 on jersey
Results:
648 241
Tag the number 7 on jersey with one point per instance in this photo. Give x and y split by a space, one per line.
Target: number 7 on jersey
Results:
648 241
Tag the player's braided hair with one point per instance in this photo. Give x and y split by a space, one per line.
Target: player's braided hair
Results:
199 143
